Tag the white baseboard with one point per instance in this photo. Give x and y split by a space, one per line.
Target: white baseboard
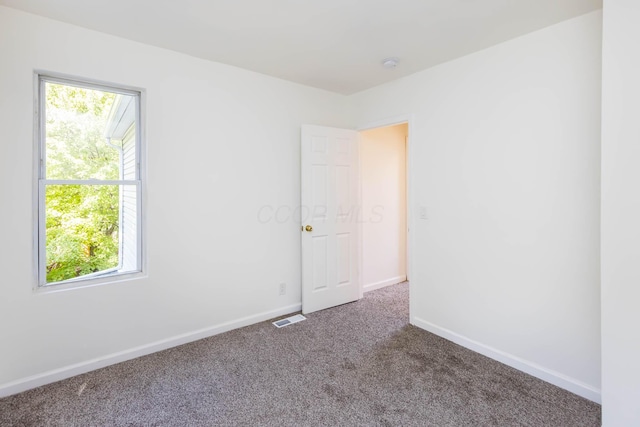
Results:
38 380
384 283
548 375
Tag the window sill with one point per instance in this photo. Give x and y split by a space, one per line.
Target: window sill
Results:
89 282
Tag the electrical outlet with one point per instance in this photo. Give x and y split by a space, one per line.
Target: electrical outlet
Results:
282 288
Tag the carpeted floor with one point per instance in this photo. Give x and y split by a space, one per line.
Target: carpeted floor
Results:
359 364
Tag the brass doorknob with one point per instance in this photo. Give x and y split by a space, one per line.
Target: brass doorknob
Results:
309 228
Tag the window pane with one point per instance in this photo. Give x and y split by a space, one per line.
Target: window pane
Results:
129 229
82 229
90 133
86 132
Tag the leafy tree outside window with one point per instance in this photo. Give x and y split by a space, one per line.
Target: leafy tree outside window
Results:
89 186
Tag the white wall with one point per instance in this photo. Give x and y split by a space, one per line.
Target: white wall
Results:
384 203
505 156
221 143
621 214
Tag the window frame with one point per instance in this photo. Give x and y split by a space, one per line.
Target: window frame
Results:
40 183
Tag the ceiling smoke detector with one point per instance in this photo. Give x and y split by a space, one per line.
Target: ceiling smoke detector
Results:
390 63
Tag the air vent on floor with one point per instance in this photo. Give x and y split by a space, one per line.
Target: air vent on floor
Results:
289 320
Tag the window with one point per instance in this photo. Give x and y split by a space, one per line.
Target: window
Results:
89 182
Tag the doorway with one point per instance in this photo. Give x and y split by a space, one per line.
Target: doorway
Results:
384 200
334 221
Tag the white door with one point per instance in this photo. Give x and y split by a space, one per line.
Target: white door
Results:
329 217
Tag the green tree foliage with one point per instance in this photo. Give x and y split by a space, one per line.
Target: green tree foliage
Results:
81 220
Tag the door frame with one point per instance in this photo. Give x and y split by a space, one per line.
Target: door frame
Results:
409 119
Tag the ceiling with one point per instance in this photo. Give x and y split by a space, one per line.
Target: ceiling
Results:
337 45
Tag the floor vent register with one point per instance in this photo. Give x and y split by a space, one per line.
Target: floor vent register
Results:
289 321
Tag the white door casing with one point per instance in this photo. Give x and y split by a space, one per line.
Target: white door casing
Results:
329 196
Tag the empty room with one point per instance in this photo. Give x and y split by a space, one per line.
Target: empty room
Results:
440 195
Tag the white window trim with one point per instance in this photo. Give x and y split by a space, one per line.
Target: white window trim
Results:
39 241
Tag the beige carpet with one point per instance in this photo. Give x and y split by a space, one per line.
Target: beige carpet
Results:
359 364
